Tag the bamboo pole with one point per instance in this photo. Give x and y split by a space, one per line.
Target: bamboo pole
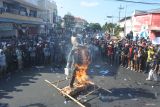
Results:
76 101
89 93
59 81
105 89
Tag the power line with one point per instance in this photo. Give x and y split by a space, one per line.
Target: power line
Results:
137 2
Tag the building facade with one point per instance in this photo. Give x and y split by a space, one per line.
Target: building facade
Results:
145 24
49 14
19 18
125 23
50 10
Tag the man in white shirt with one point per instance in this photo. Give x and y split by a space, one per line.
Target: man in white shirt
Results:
19 58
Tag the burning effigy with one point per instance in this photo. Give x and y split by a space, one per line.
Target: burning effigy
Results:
77 66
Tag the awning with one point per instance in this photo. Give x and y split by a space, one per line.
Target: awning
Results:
7 20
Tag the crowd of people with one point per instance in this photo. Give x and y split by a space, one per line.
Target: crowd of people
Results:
139 55
15 55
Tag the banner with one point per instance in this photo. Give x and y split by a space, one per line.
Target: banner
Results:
156 41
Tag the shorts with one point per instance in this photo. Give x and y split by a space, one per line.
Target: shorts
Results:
139 61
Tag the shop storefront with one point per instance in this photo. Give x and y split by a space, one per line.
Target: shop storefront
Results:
18 28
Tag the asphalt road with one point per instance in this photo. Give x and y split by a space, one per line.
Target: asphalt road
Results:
129 89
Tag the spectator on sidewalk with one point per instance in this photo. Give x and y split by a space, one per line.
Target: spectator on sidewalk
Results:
46 53
52 47
126 52
152 75
32 51
110 53
117 52
39 54
135 60
19 58
144 58
149 58
3 65
139 58
131 56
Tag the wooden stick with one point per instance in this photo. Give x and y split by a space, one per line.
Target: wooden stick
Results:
59 81
76 101
105 89
89 93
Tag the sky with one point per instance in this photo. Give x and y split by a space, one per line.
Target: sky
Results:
96 11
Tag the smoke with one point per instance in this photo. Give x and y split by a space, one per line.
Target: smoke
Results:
68 48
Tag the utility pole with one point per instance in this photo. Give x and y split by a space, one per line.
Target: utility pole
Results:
125 21
120 8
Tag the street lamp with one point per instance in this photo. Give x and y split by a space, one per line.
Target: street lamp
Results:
110 18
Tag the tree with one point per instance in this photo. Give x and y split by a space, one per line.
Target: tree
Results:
108 27
112 28
118 29
95 27
69 21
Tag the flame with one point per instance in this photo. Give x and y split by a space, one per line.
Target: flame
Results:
81 74
82 78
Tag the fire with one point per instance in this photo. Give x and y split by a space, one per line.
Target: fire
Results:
81 75
82 78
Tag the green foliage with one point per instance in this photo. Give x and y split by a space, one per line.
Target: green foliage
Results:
110 26
69 21
95 27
